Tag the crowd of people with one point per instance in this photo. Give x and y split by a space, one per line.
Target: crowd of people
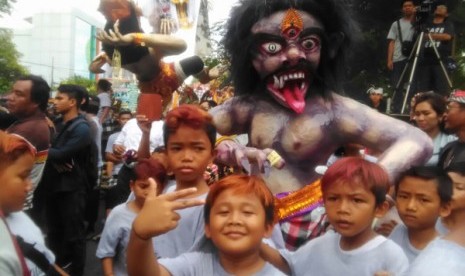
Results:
433 38
174 205
237 224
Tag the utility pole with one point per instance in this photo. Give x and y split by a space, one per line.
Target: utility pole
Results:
53 62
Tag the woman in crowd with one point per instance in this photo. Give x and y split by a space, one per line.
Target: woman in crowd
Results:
428 110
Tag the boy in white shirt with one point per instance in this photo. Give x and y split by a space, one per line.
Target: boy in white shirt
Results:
113 243
354 194
423 195
239 213
445 256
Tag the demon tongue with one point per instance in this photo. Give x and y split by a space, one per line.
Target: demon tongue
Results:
294 95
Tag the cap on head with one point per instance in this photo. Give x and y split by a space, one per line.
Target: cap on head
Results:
374 90
457 96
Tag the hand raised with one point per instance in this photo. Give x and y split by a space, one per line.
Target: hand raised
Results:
144 123
158 215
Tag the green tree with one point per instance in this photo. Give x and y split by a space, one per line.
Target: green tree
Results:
5 6
10 69
90 85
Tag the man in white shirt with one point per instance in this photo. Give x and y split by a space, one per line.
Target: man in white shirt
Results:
126 146
396 61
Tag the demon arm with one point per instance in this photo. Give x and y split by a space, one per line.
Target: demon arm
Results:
403 145
96 64
233 117
163 44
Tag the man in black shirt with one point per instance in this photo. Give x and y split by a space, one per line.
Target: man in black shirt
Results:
430 74
66 181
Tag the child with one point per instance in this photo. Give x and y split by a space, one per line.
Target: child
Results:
115 236
239 213
16 160
422 195
354 193
445 256
189 137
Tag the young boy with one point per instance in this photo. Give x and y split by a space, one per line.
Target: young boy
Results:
239 213
445 256
189 137
422 196
115 236
354 193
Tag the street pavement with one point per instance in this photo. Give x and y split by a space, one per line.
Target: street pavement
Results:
93 266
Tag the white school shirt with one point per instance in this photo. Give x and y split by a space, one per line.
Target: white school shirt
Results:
323 256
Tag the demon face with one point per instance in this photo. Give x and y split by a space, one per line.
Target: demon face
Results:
287 47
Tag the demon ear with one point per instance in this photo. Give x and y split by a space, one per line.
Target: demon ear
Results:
335 42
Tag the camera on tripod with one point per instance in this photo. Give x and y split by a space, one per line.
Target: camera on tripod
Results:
423 12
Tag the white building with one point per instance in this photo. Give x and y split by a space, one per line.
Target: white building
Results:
58 44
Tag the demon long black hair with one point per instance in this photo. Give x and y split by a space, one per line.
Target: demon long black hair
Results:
238 40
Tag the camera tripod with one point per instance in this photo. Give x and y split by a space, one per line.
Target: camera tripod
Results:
415 54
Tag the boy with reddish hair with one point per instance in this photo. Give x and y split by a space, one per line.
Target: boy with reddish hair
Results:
189 137
112 247
239 213
16 161
354 194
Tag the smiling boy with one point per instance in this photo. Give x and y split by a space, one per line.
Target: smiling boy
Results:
239 213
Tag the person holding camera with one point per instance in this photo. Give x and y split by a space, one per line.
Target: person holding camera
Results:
431 75
401 32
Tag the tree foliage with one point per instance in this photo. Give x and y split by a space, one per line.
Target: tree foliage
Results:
10 69
5 6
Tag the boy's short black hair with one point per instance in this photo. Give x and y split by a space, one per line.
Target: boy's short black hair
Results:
125 112
74 92
104 85
443 181
93 105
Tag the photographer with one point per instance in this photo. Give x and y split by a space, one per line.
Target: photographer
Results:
401 30
430 74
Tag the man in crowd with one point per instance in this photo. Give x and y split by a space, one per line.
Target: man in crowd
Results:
104 90
431 75
28 103
66 180
396 61
455 123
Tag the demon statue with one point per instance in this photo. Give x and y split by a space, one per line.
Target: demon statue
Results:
287 59
142 55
